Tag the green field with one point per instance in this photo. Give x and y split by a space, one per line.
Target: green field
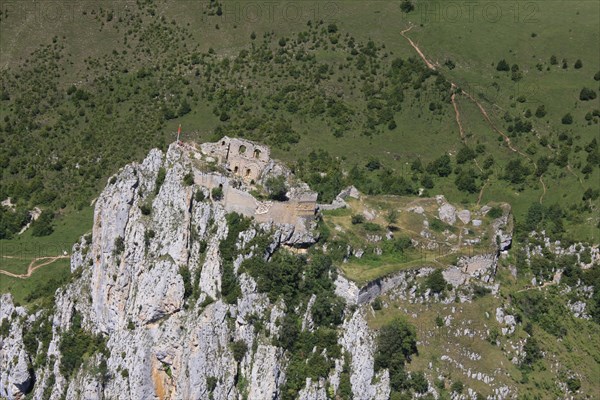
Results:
17 254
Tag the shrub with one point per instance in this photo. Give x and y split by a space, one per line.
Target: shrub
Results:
358 219
239 349
277 188
480 291
457 387
396 343
441 166
160 178
146 208
199 196
188 179
502 66
465 154
217 193
495 212
574 384
377 304
184 271
119 245
406 6
43 225
436 282
532 352
540 112
567 119
587 94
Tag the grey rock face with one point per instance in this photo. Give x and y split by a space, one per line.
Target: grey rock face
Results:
161 341
15 378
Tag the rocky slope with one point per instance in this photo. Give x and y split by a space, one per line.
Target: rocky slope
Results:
149 338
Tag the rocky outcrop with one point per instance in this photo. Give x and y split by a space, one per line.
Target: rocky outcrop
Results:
151 242
15 376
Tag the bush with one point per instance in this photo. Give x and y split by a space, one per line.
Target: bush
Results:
188 179
457 387
587 94
441 166
406 6
199 196
574 384
436 282
146 208
418 382
184 271
532 352
377 304
396 343
43 225
495 212
465 154
239 349
540 112
217 193
567 119
119 245
277 188
358 219
502 66
160 178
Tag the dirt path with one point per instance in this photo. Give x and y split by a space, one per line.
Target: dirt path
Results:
32 267
482 110
457 115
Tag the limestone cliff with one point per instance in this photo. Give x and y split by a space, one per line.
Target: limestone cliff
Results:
155 340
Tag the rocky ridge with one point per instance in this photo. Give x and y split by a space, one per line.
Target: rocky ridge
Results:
128 290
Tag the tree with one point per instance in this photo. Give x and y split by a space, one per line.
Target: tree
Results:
418 382
436 282
587 94
184 108
540 112
43 225
407 6
457 387
553 60
578 64
515 171
465 154
239 349
502 66
373 164
465 181
427 181
358 219
188 179
441 166
277 188
567 119
532 352
217 193
396 343
392 217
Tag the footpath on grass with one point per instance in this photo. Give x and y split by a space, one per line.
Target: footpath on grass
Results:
33 266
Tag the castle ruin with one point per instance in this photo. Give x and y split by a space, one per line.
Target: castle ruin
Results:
248 165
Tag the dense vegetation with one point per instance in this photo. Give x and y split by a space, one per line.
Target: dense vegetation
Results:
60 140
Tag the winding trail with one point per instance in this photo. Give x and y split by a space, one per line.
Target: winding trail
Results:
32 266
482 110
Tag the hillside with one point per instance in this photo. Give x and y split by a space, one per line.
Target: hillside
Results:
368 200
